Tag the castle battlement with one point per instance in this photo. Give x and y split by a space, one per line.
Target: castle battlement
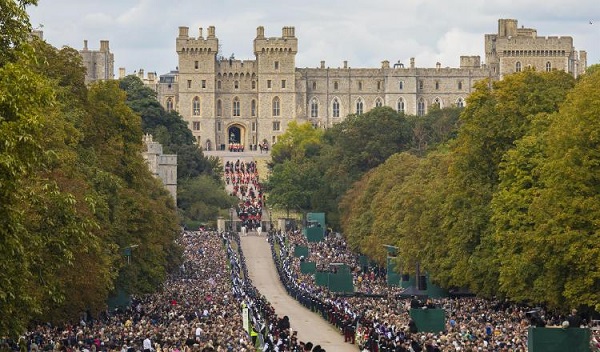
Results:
197 45
287 43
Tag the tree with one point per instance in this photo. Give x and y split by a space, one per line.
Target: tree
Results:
14 26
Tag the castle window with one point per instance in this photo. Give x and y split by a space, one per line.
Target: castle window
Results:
219 108
283 83
437 103
218 84
421 107
378 85
401 85
335 85
273 140
336 108
253 127
269 83
236 106
460 103
169 104
437 85
203 84
277 65
219 126
196 65
314 108
189 83
253 107
236 85
518 66
276 106
253 84
421 84
196 106
276 126
314 85
359 106
378 103
196 125
400 106
548 66
459 85
359 85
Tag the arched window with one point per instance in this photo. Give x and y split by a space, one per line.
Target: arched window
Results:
218 84
359 106
437 102
236 84
219 108
253 84
196 106
253 107
518 66
236 106
421 107
276 106
548 66
335 85
314 108
336 107
459 85
460 103
169 104
400 107
378 103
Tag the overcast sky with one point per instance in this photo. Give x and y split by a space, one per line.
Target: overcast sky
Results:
142 32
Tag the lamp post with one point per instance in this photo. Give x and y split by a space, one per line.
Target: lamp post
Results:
127 252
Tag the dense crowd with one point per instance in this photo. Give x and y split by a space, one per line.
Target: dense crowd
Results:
198 308
377 318
243 176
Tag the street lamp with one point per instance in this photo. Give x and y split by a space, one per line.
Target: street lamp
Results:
127 252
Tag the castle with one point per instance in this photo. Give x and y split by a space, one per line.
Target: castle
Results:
162 166
247 102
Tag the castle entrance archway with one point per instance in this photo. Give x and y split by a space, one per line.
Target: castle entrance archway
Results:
236 135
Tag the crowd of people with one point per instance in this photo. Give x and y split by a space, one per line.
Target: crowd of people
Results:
244 179
198 308
377 317
236 147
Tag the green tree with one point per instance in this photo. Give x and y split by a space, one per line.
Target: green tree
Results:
299 141
14 26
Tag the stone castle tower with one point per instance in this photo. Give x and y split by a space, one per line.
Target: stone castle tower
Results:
99 64
162 166
228 101
513 49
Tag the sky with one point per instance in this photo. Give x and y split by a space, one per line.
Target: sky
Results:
142 32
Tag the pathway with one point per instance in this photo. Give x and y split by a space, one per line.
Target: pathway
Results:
310 326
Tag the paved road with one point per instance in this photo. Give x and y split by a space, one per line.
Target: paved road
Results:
310 326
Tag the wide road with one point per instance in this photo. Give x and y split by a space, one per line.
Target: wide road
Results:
310 326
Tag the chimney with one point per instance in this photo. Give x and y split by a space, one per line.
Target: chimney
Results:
85 47
121 72
211 32
345 64
183 32
438 65
104 45
260 32
385 64
412 62
141 73
151 76
200 33
322 64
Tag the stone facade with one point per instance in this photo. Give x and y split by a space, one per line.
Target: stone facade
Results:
250 101
99 64
163 166
513 49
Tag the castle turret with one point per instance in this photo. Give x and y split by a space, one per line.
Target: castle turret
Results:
197 67
276 68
